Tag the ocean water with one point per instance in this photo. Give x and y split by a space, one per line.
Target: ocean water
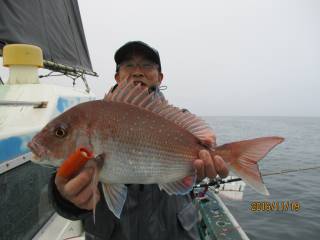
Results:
301 149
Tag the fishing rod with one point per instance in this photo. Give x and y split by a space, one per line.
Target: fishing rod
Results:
216 182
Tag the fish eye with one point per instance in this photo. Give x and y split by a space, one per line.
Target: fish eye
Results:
61 131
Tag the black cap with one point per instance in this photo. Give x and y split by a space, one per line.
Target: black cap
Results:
136 47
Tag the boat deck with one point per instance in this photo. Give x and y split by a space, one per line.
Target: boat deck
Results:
216 220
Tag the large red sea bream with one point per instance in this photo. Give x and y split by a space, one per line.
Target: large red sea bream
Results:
145 141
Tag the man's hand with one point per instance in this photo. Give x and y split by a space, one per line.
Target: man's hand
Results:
208 167
79 189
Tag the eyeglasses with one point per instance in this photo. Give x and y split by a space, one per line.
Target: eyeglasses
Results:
145 65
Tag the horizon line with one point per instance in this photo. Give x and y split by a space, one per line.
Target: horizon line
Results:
283 116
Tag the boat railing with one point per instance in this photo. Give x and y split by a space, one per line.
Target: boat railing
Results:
40 104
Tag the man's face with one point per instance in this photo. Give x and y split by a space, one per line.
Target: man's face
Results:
139 69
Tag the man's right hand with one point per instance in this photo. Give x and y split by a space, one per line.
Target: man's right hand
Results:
79 189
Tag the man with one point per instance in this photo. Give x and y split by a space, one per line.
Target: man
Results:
148 213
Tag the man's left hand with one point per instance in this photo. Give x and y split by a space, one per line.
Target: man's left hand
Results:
208 167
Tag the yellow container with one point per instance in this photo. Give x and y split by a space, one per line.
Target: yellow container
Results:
22 54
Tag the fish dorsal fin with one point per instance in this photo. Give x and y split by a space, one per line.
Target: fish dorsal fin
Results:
140 96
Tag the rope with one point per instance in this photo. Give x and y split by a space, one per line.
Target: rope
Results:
74 77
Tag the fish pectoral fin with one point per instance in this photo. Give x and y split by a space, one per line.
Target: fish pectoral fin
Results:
115 196
180 187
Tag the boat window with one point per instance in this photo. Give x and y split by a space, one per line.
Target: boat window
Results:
24 205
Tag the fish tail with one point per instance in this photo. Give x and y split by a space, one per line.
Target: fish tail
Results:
242 158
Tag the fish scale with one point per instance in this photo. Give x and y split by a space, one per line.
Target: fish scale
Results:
152 166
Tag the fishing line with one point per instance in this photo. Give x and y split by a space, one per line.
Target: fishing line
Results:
290 170
216 182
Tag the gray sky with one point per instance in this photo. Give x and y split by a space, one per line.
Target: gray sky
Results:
247 57
230 57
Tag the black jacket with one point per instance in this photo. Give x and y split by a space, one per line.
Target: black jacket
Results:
148 213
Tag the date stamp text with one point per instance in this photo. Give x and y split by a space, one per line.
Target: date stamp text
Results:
275 206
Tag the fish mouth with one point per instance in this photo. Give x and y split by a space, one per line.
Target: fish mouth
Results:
39 154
